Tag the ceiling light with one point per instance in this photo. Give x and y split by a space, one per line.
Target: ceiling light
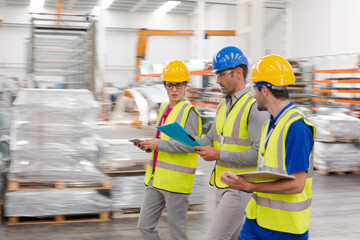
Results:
166 7
37 5
107 3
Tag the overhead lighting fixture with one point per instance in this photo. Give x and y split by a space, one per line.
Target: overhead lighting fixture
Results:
107 3
37 5
166 7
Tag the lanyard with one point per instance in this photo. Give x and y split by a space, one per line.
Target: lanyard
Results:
268 134
228 113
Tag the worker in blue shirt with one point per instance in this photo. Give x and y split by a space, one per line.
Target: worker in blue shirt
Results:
278 209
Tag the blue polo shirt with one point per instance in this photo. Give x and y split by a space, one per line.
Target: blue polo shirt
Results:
299 143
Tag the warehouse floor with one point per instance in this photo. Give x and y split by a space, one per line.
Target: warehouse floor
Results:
335 210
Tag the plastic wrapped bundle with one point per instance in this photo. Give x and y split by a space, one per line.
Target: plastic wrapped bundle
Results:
55 202
128 191
38 134
74 168
121 154
336 155
336 126
53 133
197 195
64 107
4 154
5 121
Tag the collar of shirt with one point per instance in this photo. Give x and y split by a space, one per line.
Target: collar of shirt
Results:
235 97
274 119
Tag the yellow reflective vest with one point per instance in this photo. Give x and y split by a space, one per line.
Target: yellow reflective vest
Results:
174 172
232 135
288 213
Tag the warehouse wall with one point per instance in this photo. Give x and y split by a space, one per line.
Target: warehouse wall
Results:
13 41
322 31
326 32
121 42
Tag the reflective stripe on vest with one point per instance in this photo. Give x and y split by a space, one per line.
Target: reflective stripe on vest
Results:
288 213
235 134
174 172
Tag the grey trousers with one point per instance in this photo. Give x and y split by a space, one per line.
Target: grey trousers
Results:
152 205
229 214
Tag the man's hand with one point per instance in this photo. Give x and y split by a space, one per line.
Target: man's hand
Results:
236 182
149 144
208 153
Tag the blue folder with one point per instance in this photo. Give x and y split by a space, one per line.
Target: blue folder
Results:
178 133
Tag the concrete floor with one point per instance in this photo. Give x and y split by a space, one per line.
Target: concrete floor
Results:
335 210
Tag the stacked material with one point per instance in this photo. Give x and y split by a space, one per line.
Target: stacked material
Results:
5 120
120 155
341 156
128 191
52 134
55 202
333 126
337 137
54 150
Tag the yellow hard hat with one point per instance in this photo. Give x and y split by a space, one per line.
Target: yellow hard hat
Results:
175 71
273 69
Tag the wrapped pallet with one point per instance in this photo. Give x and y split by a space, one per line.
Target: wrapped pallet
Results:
336 141
52 133
54 152
128 191
55 202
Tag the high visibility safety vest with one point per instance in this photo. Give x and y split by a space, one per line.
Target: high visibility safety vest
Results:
174 172
232 135
288 213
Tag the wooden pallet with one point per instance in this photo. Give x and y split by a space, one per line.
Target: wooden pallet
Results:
339 139
99 217
24 184
134 212
337 171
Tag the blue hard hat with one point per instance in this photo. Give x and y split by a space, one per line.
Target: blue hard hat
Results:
228 57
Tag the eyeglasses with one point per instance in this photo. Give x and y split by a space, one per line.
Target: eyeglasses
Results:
170 86
223 74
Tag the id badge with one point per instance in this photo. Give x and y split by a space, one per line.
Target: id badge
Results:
221 140
261 163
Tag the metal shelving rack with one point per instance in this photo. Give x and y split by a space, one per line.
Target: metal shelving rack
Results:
337 88
62 51
301 91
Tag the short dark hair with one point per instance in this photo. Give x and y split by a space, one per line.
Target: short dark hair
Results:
279 94
245 70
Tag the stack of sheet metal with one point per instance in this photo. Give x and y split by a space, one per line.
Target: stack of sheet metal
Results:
128 191
54 149
53 134
337 138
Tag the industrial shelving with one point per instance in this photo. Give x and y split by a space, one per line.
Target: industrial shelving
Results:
337 87
301 91
62 51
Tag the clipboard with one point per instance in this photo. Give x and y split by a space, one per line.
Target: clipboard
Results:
178 133
263 176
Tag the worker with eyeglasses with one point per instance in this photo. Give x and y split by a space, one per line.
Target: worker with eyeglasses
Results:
232 141
170 173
